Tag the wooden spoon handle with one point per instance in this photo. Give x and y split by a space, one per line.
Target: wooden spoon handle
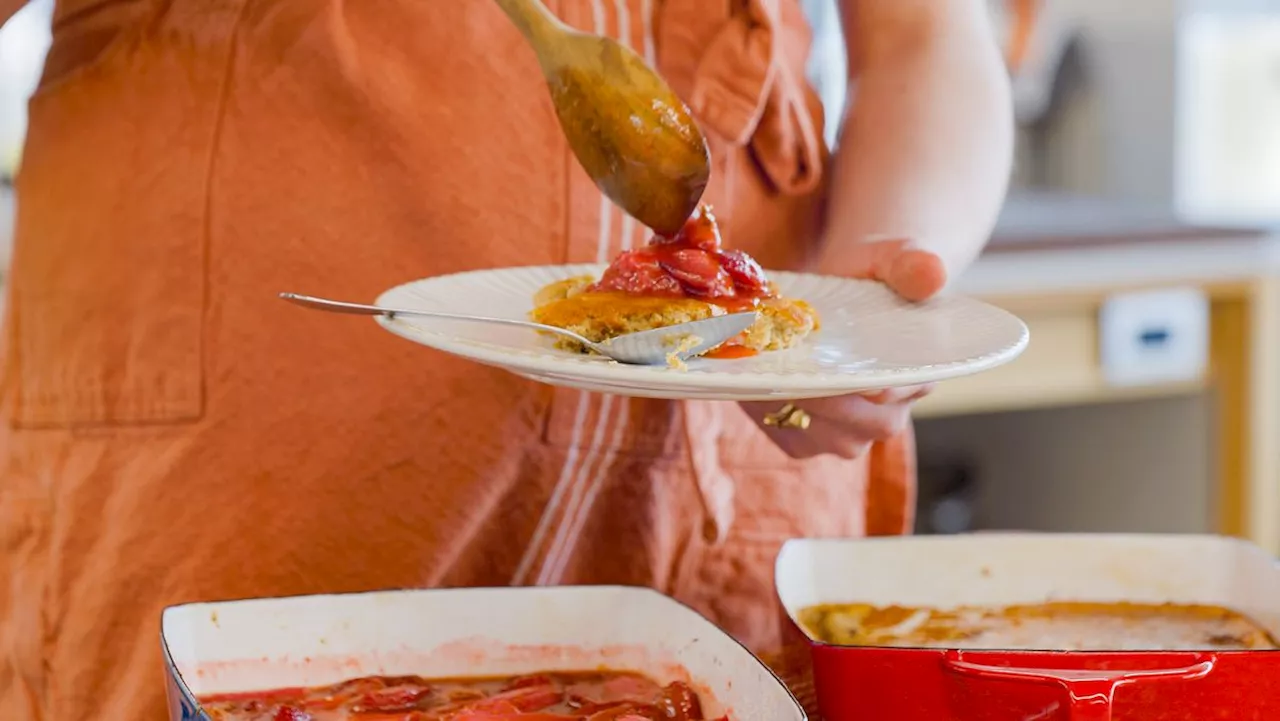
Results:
537 23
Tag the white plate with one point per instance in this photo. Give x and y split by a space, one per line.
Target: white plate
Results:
870 339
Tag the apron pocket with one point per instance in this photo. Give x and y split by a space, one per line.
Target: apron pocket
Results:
108 280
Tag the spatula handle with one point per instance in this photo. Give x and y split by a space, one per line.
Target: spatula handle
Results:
339 306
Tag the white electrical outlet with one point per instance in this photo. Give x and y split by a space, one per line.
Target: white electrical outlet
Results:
1154 337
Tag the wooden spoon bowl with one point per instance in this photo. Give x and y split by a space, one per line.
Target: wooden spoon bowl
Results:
632 134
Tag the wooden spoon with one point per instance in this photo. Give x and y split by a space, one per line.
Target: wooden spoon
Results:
633 135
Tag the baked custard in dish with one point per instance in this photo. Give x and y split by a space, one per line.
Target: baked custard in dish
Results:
685 278
1059 626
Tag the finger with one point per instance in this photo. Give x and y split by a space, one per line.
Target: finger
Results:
871 257
905 394
823 437
791 444
912 273
921 391
859 418
813 443
831 441
844 426
850 449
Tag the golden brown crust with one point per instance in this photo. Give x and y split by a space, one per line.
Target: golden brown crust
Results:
561 289
783 322
600 316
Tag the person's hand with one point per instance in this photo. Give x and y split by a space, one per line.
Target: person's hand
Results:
910 272
846 426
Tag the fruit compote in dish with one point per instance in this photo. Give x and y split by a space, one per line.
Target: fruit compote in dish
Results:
674 280
572 696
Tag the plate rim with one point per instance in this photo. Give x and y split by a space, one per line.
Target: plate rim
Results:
543 361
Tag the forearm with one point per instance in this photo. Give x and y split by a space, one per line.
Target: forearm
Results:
927 147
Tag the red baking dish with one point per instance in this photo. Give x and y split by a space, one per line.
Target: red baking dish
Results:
928 684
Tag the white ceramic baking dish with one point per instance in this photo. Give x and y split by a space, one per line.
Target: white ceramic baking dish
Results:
259 645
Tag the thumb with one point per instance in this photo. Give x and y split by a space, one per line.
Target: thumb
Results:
912 273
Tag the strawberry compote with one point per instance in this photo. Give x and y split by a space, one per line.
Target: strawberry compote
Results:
590 696
691 264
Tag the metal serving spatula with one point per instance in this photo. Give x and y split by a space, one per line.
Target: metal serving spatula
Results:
650 347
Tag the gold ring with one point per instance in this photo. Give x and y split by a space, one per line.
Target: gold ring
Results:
788 416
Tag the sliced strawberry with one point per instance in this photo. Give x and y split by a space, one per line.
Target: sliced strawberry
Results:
337 695
483 706
526 681
618 689
588 708
474 716
464 695
490 706
390 700
325 703
701 231
748 276
291 713
533 698
633 687
698 272
679 703
638 272
520 700
608 712
631 712
691 262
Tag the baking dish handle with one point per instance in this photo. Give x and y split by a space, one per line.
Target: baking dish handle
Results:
1089 691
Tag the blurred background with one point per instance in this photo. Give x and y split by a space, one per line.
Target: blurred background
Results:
1141 242
24 40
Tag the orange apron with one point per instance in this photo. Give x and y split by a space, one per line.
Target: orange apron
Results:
175 433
